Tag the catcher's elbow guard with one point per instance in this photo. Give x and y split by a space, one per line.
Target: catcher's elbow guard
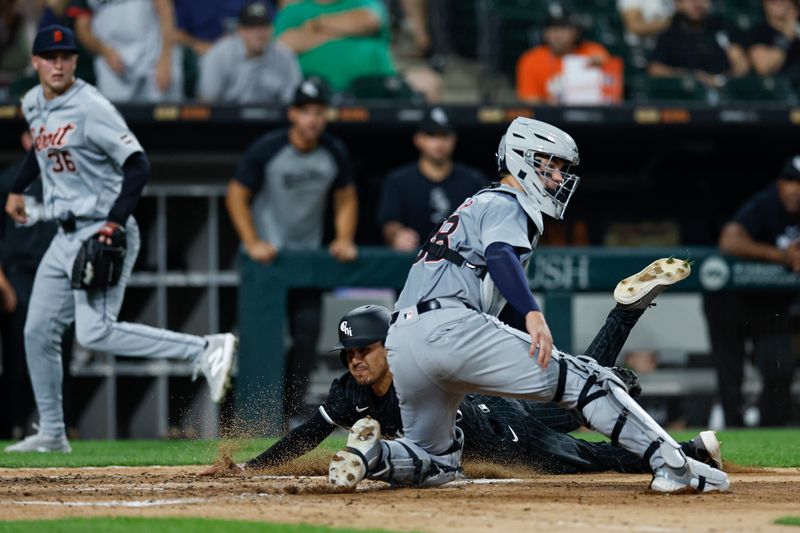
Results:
98 265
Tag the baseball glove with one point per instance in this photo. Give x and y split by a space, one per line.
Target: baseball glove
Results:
99 264
630 379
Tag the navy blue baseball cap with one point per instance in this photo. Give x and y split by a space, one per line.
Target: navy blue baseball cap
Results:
52 38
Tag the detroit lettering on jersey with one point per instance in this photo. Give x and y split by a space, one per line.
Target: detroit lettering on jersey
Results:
57 139
81 142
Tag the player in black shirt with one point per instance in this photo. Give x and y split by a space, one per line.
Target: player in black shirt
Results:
501 430
765 228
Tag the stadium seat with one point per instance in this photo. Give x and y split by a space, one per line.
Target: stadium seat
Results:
681 89
759 89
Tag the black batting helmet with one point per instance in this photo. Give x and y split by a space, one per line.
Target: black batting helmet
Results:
361 327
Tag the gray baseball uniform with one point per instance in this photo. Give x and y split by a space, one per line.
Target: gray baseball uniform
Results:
133 29
81 143
227 75
439 353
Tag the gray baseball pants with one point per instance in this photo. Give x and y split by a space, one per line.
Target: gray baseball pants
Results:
438 356
54 306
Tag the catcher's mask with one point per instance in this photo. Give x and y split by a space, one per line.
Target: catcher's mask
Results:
361 327
527 151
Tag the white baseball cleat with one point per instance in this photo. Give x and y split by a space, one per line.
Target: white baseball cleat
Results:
41 443
639 291
692 477
216 363
349 466
707 443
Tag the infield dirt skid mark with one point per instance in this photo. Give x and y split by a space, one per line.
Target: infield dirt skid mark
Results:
603 502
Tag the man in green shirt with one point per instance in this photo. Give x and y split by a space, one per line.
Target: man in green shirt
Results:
338 40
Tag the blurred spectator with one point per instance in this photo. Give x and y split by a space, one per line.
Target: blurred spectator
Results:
15 43
55 12
644 20
698 44
416 16
419 195
133 44
344 40
248 67
766 228
775 43
277 201
543 72
199 23
21 250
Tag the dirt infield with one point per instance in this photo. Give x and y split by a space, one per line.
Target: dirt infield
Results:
527 502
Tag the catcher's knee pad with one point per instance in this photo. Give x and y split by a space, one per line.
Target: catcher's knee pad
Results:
403 463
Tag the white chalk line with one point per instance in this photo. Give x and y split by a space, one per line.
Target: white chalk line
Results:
619 527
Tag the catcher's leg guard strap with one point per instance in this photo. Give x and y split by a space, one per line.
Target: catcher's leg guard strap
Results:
603 400
406 464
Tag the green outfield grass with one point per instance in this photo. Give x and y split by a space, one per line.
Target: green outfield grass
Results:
788 521
166 525
746 447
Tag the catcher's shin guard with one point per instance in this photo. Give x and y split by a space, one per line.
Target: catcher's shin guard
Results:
607 407
405 464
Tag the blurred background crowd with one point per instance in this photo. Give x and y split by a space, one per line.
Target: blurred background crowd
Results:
541 51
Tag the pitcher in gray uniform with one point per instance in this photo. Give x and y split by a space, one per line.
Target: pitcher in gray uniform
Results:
445 340
93 171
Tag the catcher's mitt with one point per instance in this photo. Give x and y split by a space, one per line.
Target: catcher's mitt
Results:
630 379
99 264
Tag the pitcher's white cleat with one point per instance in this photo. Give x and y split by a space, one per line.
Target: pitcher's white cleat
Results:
41 443
216 363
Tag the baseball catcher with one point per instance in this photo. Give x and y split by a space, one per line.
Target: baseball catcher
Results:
497 429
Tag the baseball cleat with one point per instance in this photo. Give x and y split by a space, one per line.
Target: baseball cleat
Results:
693 477
349 466
708 449
41 443
216 363
639 291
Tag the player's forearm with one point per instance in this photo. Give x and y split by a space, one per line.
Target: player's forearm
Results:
136 172
166 17
348 23
237 201
390 231
28 172
296 443
345 203
507 274
88 39
735 240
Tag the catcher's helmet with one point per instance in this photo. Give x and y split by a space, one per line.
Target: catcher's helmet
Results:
526 138
361 327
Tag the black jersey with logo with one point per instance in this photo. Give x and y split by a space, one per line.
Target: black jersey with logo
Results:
348 402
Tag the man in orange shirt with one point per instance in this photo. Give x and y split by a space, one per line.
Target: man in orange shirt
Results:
539 70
